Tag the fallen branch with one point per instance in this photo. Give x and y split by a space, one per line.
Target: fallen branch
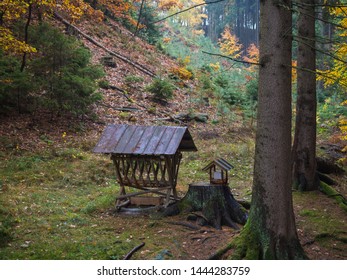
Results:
123 109
125 95
186 117
206 238
121 57
128 256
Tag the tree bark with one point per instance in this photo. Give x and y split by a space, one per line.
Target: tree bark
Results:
270 232
215 203
304 148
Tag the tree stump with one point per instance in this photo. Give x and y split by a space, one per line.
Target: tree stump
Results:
215 203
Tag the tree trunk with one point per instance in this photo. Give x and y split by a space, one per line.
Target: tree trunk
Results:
215 203
304 148
26 35
270 232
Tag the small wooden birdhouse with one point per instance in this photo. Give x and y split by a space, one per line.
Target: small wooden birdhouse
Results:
218 171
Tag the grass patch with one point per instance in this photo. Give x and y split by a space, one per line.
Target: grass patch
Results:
323 220
51 204
239 154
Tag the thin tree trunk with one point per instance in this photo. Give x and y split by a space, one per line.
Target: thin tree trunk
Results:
26 35
304 148
139 18
270 232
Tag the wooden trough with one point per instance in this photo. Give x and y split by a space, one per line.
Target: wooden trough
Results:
146 159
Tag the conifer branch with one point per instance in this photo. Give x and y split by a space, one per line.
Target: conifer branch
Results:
319 50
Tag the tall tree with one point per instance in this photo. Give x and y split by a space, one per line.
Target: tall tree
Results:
304 147
270 232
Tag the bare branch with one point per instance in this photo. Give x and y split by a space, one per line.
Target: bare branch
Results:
320 5
185 10
320 19
231 58
318 50
317 73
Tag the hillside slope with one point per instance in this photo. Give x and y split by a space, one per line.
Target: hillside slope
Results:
125 99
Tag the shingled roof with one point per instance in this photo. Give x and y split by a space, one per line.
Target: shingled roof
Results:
221 163
144 140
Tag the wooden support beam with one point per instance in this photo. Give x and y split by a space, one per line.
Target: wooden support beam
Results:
142 192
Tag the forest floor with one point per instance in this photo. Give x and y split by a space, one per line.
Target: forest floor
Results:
57 201
57 197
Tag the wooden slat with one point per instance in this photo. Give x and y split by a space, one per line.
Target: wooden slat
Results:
146 200
140 193
154 142
110 138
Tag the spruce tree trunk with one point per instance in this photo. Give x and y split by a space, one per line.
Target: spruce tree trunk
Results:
270 232
304 148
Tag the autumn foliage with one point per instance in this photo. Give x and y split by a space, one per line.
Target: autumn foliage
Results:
12 11
229 44
252 54
337 75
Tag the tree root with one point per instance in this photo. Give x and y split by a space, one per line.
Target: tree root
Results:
187 225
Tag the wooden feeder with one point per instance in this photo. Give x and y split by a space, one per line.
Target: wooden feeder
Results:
147 159
218 170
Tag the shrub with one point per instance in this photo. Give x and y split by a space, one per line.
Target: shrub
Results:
59 77
182 72
162 89
64 71
222 81
14 84
132 79
252 90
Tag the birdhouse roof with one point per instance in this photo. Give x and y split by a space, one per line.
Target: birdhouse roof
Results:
221 163
144 140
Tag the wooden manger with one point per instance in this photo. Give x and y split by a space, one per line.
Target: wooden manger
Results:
146 160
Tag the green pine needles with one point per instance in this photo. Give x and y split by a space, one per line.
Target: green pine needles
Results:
59 77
